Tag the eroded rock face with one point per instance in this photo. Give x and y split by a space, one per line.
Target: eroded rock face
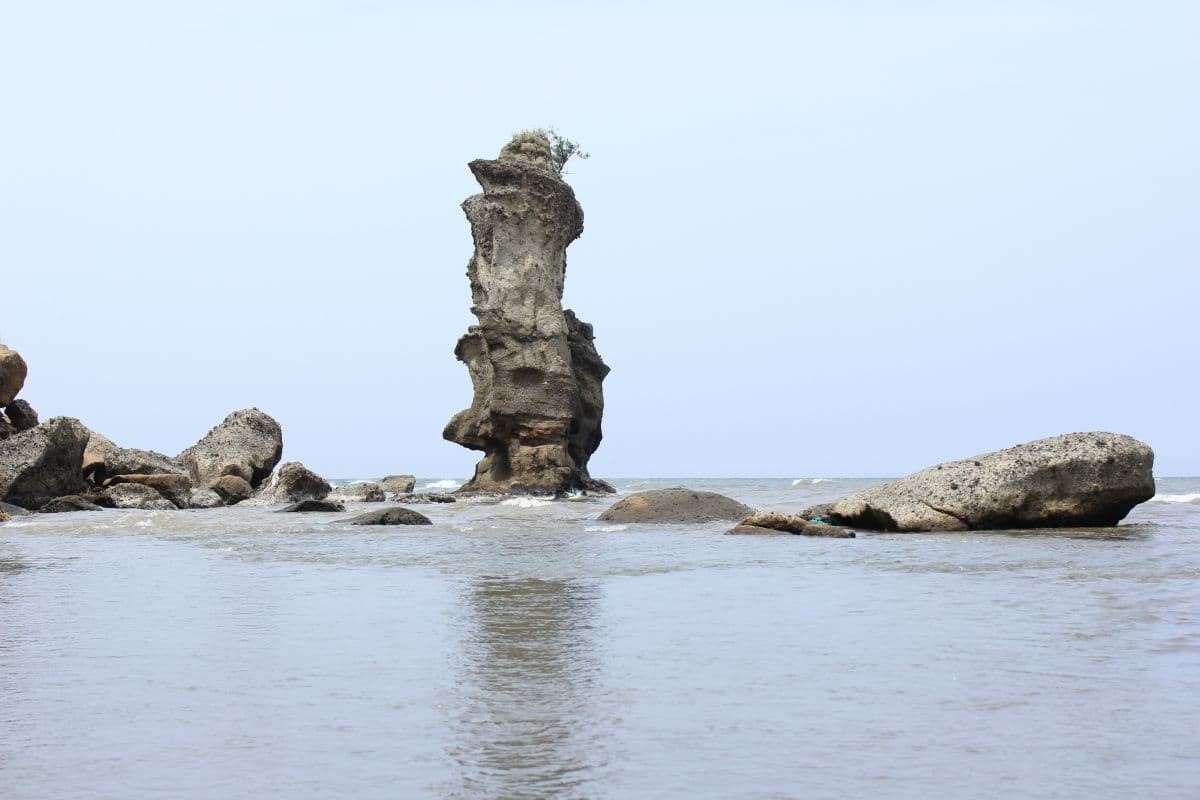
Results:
535 373
41 464
247 444
1074 480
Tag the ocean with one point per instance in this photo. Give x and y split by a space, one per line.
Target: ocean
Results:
524 649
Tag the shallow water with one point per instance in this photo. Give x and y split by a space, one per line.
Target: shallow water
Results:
528 650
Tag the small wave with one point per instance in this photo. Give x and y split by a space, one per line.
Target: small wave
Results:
1176 498
606 528
525 502
446 484
803 481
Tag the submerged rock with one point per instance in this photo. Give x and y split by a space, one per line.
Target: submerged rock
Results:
1074 480
534 370
69 503
391 516
676 505
41 464
295 482
306 506
775 523
247 444
13 372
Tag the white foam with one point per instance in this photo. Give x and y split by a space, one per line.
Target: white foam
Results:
606 528
1176 498
446 484
802 481
525 502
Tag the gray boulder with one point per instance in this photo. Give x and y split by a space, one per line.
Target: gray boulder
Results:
41 464
131 461
400 484
1074 480
391 516
68 503
233 489
247 444
136 495
14 511
423 498
306 506
13 372
295 482
21 415
176 488
676 505
204 498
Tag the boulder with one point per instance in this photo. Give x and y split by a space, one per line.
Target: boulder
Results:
247 444
305 506
115 461
21 415
773 522
391 516
423 498
294 482
136 495
232 489
13 372
41 464
397 483
14 511
73 502
176 488
204 498
534 370
374 494
356 492
676 505
1074 480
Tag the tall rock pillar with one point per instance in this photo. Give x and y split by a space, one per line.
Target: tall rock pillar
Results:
534 369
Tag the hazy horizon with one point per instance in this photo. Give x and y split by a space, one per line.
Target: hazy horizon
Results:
820 241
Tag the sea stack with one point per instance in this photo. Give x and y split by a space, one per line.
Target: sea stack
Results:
534 369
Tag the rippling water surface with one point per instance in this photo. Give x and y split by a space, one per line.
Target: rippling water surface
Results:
525 649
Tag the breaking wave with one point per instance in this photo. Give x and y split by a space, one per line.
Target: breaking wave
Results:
446 484
805 481
525 502
1176 498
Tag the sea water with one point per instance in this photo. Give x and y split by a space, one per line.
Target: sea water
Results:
523 648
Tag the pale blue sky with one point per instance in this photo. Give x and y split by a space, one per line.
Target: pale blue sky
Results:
822 239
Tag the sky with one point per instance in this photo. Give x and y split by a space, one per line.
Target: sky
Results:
821 239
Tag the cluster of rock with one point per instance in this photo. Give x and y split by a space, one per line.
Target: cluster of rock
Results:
534 368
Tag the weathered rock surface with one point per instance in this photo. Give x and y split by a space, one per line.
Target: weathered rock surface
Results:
232 489
13 372
41 464
676 505
14 511
136 495
423 498
391 516
176 488
307 506
21 415
204 498
1078 479
247 444
4 516
374 494
401 484
68 503
103 460
773 522
535 373
295 482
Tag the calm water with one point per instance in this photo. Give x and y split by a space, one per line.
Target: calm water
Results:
527 650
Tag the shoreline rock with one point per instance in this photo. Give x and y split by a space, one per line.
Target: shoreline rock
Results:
391 516
41 464
771 523
676 505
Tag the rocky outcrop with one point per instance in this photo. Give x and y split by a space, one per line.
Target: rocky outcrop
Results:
535 373
176 488
295 482
247 444
103 461
423 498
41 464
136 495
675 506
13 372
308 506
400 484
67 504
774 523
1074 480
391 516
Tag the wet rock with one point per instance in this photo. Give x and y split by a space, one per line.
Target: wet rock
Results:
1074 480
41 464
391 516
741 529
397 483
204 498
423 498
248 444
136 495
14 511
13 372
295 482
21 415
771 522
676 505
176 488
535 373
68 503
306 506
232 489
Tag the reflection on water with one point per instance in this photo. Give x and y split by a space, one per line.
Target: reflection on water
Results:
529 662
